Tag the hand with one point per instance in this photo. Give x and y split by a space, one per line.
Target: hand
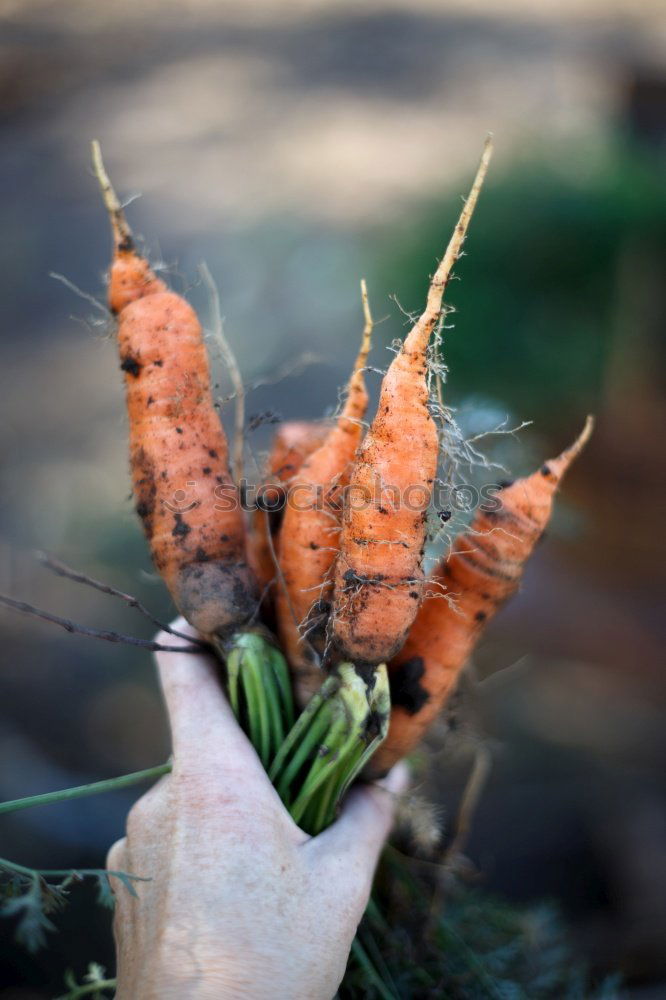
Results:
241 903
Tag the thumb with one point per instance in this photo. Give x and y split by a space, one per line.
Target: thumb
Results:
366 819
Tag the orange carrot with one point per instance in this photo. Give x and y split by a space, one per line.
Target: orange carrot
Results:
482 572
378 575
184 494
310 531
292 444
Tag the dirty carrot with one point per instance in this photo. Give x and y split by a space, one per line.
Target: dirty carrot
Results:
292 444
464 592
310 532
378 575
183 490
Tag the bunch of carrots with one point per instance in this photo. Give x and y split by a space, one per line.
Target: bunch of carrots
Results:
337 651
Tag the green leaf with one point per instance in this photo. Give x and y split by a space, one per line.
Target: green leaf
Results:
29 909
105 897
127 881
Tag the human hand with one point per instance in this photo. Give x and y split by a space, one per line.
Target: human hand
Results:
241 903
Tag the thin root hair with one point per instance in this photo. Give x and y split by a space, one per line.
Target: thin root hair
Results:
86 296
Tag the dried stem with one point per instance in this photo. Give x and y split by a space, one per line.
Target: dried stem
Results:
463 824
92 633
61 569
470 800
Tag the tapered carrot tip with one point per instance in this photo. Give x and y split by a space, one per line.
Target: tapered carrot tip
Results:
556 467
357 400
366 336
419 336
366 341
122 234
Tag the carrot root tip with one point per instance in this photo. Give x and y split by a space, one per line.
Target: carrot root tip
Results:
122 234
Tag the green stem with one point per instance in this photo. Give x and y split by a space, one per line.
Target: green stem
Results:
325 802
281 671
380 702
256 708
361 956
358 766
319 774
330 752
328 688
475 963
319 726
80 791
321 811
251 700
340 783
232 688
372 950
88 988
13 866
356 702
275 711
259 689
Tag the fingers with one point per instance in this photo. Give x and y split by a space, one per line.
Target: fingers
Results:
365 822
204 731
115 859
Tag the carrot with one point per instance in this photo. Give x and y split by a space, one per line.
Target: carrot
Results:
378 575
310 530
183 490
292 444
482 572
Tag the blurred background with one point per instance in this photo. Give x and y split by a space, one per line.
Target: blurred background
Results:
297 146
